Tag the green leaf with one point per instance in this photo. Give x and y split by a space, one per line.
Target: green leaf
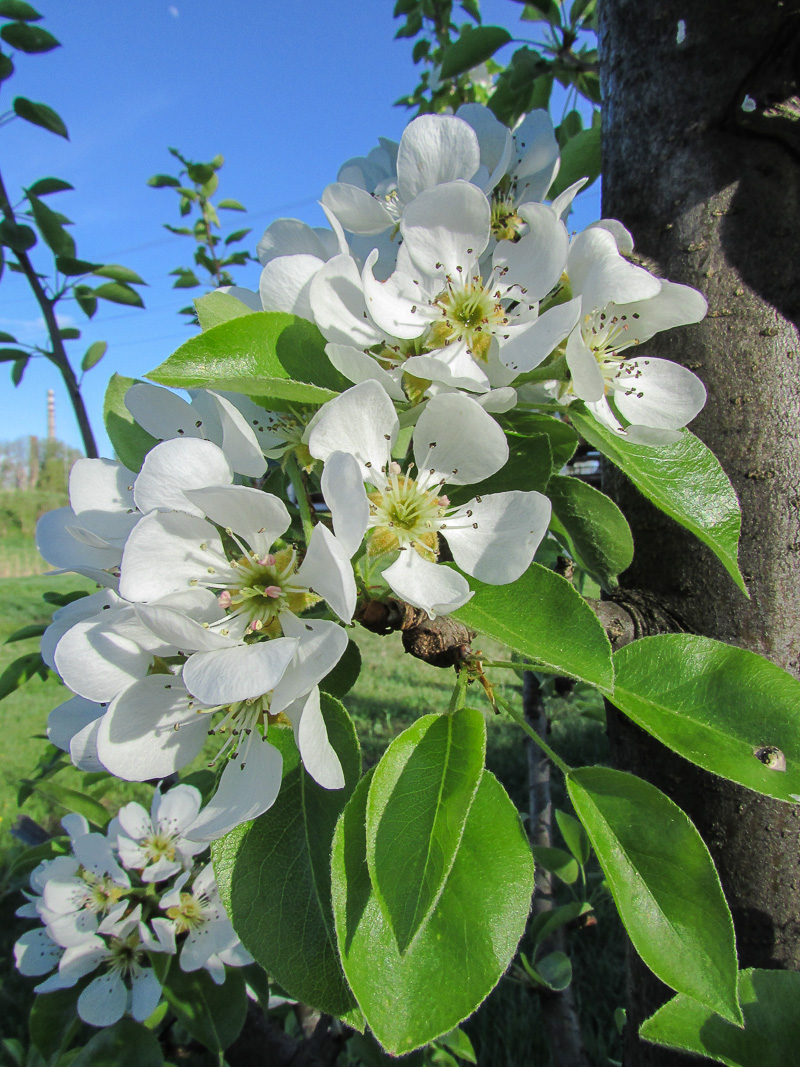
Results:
53 1016
597 528
9 354
521 616
18 9
563 439
580 158
86 300
131 443
237 235
214 1015
21 671
663 882
125 1044
457 1041
726 709
684 480
17 238
119 293
231 205
574 836
771 1032
187 279
6 67
528 468
289 928
216 307
267 353
543 925
36 629
45 186
557 861
72 268
7 337
345 674
69 333
118 273
472 933
74 800
94 353
16 377
418 804
28 38
554 971
473 47
40 115
160 181
51 228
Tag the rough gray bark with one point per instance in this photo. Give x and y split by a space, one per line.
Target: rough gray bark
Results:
710 192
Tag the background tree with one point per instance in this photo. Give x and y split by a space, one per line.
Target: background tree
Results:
700 162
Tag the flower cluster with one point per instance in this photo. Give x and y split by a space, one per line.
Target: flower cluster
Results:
449 292
112 901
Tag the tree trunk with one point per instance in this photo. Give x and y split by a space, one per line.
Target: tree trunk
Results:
710 191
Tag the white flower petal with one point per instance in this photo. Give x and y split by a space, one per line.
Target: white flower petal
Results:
538 157
446 229
327 571
494 139
658 393
173 466
600 275
530 344
510 527
169 552
237 439
537 260
244 793
458 440
342 487
452 366
289 237
435 149
398 304
162 413
260 518
59 540
358 366
356 209
96 663
587 378
68 718
285 284
101 495
321 644
83 748
338 306
311 735
35 953
437 590
241 673
361 421
103 1001
149 731
145 993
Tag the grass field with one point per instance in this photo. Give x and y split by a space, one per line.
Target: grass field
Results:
393 690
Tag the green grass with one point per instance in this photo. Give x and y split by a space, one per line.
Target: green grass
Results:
393 690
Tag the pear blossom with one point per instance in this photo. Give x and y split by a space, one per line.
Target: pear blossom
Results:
210 941
437 320
455 441
156 843
622 306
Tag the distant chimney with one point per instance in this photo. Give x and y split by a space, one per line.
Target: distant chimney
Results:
51 415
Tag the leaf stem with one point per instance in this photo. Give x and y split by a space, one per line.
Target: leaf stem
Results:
292 468
520 720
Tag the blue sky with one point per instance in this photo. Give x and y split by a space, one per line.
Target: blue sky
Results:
285 92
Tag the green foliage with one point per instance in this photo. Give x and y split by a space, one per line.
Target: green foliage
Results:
474 46
212 1014
491 880
40 115
125 1044
771 1023
597 533
289 929
265 353
419 800
664 884
724 708
704 503
521 615
214 263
